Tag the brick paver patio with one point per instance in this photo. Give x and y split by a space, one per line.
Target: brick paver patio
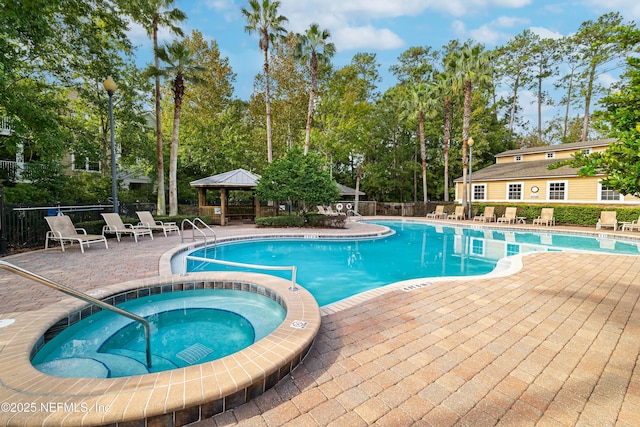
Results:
555 344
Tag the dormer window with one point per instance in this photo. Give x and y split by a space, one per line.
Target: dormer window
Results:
551 155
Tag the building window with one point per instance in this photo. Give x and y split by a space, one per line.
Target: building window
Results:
557 191
551 155
80 163
586 151
609 194
479 192
514 191
517 158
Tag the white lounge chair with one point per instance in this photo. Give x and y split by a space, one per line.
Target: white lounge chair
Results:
117 227
607 219
633 225
438 213
458 214
488 215
63 230
546 217
147 220
509 215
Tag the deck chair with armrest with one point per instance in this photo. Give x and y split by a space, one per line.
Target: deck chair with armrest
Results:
63 230
147 220
117 227
509 215
487 215
546 217
633 225
458 214
607 219
438 213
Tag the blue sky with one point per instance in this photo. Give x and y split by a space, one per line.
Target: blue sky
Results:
386 27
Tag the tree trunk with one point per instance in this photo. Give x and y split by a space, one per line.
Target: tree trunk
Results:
268 105
423 155
173 160
447 140
312 96
466 120
162 205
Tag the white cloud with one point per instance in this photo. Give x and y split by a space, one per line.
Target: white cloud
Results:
490 33
367 37
545 33
630 9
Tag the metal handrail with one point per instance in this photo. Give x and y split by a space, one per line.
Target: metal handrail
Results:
240 264
84 297
195 227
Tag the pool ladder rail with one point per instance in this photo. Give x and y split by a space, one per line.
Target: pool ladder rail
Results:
84 297
194 228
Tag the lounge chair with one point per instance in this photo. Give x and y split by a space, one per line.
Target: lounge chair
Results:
607 219
509 215
117 227
63 230
488 215
147 220
438 213
546 217
633 225
458 214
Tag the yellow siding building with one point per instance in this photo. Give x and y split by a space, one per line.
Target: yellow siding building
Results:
523 176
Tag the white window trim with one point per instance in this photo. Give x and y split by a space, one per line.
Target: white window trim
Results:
521 183
484 192
620 199
517 158
551 155
86 165
586 151
566 189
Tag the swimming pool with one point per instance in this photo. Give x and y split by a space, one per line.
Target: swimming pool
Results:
187 328
336 269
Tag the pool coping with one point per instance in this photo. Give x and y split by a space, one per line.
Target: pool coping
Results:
176 397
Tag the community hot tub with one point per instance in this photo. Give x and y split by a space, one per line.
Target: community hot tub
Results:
172 397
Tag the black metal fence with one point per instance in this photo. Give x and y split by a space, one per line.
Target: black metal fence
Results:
26 228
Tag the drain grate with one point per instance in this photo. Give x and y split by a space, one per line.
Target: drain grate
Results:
194 353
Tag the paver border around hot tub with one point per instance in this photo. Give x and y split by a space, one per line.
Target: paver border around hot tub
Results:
177 397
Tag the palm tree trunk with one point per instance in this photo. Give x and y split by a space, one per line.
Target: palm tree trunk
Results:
162 206
466 120
268 105
423 154
312 96
173 159
587 101
447 139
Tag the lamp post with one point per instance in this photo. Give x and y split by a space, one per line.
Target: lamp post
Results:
111 87
470 142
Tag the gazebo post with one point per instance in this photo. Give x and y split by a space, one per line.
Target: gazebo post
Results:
202 200
223 205
256 202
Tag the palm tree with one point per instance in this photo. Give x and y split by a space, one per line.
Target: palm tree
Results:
264 20
470 65
313 47
444 89
158 14
419 101
181 68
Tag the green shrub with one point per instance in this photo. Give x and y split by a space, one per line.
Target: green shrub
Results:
586 215
280 221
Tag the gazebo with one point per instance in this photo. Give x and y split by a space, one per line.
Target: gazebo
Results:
239 179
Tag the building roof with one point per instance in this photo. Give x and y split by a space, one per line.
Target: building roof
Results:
558 147
348 191
522 170
239 178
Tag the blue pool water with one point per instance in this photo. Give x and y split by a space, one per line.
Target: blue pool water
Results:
336 269
187 328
